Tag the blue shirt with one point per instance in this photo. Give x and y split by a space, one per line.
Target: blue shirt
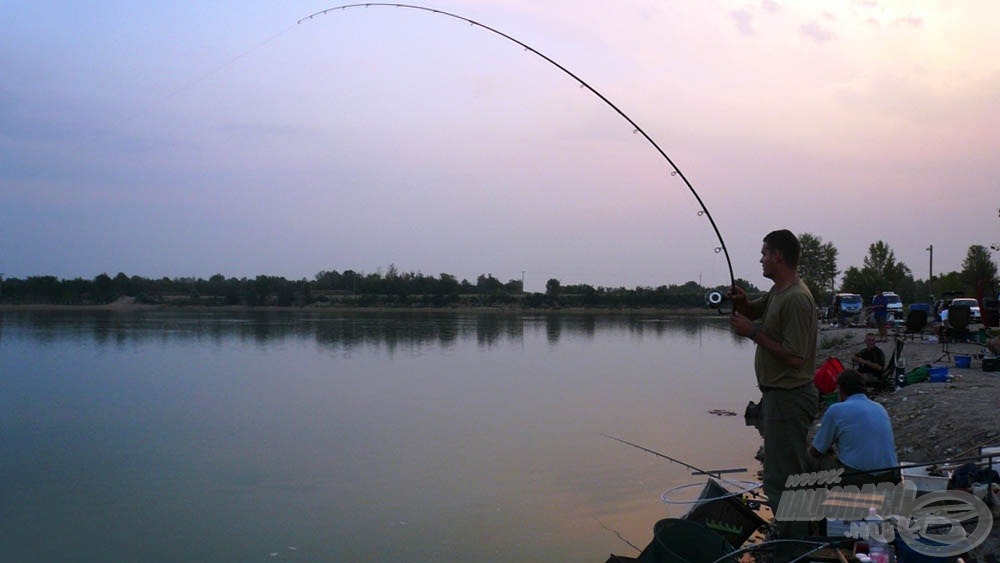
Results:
862 431
879 305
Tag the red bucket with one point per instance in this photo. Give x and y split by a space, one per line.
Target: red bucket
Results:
826 376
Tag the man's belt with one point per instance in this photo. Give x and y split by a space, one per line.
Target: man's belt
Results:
767 388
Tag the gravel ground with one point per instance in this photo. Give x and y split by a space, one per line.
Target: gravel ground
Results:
935 421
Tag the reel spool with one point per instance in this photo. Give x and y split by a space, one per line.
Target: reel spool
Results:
715 300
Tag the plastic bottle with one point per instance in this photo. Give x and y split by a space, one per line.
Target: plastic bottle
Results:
878 549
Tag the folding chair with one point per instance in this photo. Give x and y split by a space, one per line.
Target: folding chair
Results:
956 330
889 379
916 320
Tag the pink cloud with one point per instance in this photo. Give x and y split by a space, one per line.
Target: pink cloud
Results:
744 21
816 32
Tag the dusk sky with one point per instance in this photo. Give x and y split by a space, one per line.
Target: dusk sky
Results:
189 138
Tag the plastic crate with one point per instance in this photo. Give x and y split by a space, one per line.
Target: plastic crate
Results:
937 374
925 483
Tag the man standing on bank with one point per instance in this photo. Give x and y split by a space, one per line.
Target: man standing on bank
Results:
784 363
880 313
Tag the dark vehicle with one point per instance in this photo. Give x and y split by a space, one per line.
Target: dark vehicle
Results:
845 307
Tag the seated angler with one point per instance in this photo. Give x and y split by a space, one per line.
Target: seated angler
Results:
870 362
862 432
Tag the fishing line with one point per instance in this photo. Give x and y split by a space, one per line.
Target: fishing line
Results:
621 537
194 81
219 67
714 298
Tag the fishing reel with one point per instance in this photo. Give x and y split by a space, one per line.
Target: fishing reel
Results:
715 299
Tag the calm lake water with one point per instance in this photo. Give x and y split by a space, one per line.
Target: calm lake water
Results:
165 436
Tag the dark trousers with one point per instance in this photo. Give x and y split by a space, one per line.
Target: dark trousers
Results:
785 418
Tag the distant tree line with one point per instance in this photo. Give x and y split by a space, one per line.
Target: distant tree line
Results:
817 266
347 288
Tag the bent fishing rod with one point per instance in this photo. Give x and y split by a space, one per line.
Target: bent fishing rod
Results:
714 298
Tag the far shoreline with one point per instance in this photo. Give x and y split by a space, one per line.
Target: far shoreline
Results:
127 305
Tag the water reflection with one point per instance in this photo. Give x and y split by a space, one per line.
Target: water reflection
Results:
199 436
347 331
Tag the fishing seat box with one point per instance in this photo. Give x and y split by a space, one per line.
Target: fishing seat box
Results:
724 513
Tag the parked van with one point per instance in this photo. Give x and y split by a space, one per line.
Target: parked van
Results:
845 306
893 305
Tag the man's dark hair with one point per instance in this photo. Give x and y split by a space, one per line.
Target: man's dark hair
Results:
851 382
785 242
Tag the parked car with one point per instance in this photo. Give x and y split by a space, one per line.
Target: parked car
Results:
975 315
945 300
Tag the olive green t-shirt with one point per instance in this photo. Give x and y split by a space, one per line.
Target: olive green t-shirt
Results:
790 318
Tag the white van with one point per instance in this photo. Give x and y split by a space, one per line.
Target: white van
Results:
893 305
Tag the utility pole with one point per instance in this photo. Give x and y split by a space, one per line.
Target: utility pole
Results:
930 279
